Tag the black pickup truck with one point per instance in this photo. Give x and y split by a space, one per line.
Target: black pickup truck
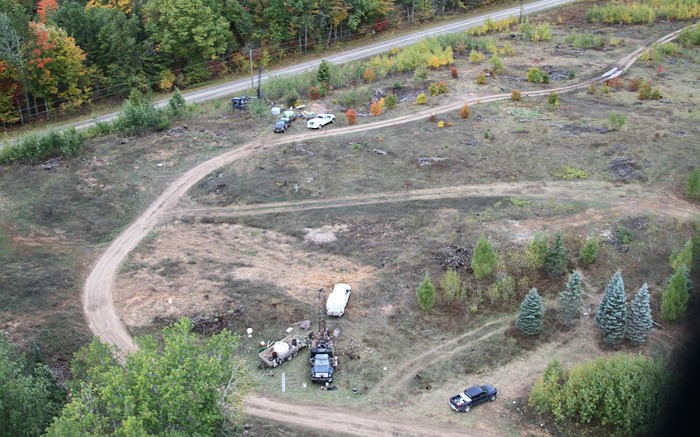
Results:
464 401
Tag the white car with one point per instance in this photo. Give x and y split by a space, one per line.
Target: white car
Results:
320 120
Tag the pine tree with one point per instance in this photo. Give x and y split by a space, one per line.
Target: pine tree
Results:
451 284
426 294
612 312
531 314
484 259
639 323
589 251
571 298
555 260
323 75
674 300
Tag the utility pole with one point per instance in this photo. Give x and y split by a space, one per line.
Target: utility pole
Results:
252 78
521 12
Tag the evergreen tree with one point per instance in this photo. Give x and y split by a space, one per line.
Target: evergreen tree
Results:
612 312
323 75
571 298
531 314
639 323
555 260
682 256
693 187
674 300
484 259
426 293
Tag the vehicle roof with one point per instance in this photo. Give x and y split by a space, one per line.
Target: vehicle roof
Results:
474 391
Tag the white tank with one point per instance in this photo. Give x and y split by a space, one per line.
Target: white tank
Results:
281 348
275 111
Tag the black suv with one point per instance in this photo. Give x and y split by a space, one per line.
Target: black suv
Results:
464 401
281 126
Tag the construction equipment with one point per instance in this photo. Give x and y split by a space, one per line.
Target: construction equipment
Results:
323 359
281 351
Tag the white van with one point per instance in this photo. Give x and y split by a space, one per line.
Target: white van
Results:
335 306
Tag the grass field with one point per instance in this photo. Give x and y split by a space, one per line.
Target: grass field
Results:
267 268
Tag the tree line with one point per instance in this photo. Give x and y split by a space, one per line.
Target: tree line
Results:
59 55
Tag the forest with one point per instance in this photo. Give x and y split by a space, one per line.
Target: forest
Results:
58 55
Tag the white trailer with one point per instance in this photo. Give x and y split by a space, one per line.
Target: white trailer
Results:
335 306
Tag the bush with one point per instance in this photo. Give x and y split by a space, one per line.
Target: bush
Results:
481 79
177 106
646 92
425 293
441 124
292 98
515 95
454 73
535 75
314 93
351 116
369 75
624 235
635 84
354 98
616 121
623 392
692 188
421 99
568 172
497 64
420 75
36 148
390 101
451 284
589 251
476 57
138 115
483 261
674 300
465 112
376 107
553 99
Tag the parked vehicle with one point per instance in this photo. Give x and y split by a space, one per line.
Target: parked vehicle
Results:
472 396
335 305
281 126
281 351
320 120
240 102
323 359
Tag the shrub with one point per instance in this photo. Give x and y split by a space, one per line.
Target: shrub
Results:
623 392
433 89
536 251
376 107
553 99
646 92
425 293
323 74
635 84
314 93
497 64
291 98
177 106
674 300
616 121
390 101
683 256
483 261
476 57
432 118
692 188
624 235
568 172
454 73
451 284
369 75
167 78
531 314
481 79
515 95
139 115
589 251
535 75
421 99
441 124
36 148
465 111
351 116
420 75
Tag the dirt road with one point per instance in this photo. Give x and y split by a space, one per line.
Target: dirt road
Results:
105 323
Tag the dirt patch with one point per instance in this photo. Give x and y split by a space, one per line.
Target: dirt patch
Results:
325 234
184 270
